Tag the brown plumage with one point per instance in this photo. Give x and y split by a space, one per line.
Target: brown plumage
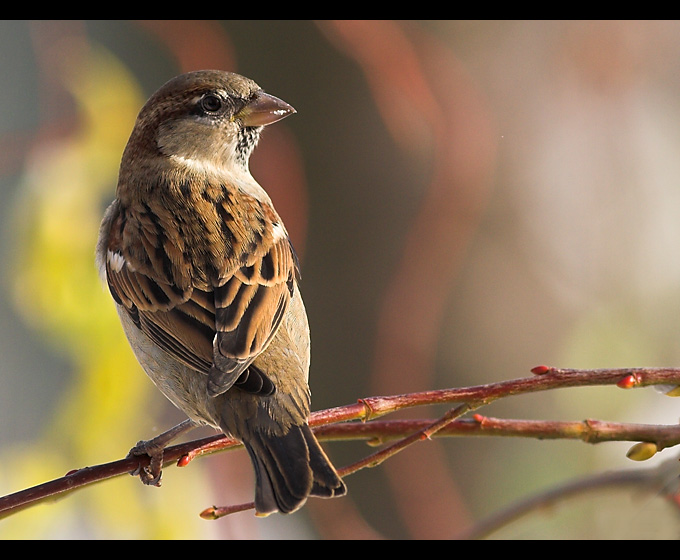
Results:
205 280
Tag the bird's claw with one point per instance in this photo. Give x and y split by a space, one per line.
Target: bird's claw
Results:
149 474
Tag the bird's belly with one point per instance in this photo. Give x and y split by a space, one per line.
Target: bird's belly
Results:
183 386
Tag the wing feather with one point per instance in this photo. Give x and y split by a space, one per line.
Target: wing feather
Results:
217 331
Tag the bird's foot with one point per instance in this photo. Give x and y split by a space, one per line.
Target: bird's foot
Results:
149 474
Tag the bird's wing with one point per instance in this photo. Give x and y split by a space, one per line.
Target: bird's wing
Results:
218 332
180 320
249 306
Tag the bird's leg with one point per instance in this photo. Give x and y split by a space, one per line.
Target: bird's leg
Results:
151 474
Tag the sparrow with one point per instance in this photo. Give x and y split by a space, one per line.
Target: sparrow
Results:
206 283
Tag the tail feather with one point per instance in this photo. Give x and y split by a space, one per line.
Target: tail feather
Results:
326 482
289 468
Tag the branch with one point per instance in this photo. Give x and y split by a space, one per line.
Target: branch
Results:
546 378
589 431
469 398
660 481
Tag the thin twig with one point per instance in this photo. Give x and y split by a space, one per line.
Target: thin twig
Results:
426 432
549 378
662 480
589 431
373 407
373 460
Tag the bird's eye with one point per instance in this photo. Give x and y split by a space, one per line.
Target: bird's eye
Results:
211 103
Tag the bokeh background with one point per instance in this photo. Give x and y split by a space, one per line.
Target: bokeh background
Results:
468 198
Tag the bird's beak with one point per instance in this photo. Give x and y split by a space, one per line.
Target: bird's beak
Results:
264 109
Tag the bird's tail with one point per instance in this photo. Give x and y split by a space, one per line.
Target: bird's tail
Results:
289 468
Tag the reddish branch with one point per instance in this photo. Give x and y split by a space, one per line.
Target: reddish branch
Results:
406 432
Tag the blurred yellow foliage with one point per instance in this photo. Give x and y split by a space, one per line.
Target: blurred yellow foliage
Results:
65 187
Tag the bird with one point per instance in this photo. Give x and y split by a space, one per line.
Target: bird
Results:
206 283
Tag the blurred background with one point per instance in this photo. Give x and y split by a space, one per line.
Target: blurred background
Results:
469 199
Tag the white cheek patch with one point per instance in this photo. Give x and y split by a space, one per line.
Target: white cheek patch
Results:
200 165
116 261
